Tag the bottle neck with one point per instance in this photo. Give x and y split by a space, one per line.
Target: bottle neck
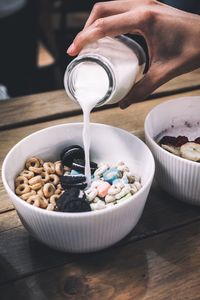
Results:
90 73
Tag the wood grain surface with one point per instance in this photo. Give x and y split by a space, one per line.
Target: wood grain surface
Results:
159 259
164 267
50 106
161 214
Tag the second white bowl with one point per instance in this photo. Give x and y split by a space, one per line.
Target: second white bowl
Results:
178 176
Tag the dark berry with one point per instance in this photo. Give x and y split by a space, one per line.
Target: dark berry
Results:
181 140
168 140
197 140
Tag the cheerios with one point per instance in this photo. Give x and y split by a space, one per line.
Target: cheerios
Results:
59 168
36 186
21 180
45 176
22 189
27 195
49 167
53 178
35 179
26 173
48 189
32 162
36 170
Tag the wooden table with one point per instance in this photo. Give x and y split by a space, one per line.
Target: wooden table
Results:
159 259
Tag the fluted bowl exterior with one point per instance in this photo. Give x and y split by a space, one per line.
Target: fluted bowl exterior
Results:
178 176
88 231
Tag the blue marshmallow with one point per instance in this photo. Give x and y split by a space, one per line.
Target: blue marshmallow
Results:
111 174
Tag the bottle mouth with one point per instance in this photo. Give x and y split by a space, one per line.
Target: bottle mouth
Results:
71 72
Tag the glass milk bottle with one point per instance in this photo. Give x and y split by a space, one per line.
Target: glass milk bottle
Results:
105 71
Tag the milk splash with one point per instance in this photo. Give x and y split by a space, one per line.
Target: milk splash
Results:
91 86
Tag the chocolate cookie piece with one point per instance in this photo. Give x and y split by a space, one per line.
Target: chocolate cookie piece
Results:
79 166
73 200
69 181
77 205
73 193
70 153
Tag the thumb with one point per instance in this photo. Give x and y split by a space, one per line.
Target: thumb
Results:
142 89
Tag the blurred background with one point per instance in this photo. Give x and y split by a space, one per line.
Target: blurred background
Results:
34 36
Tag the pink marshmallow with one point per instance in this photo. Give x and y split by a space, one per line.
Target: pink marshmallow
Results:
103 189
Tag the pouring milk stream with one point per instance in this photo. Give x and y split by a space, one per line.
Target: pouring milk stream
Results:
104 72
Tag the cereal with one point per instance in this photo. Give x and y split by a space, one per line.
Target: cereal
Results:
27 195
45 177
22 189
35 179
103 189
49 167
58 168
34 200
53 199
54 179
32 162
48 190
28 174
21 180
37 186
36 170
55 186
31 183
50 207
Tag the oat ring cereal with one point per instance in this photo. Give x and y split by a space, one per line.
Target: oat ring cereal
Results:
36 186
36 170
32 162
27 195
22 189
53 178
34 200
53 199
48 190
49 167
21 180
35 179
58 168
28 174
45 177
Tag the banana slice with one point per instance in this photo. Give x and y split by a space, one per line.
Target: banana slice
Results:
172 149
190 151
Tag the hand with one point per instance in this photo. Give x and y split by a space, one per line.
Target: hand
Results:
172 37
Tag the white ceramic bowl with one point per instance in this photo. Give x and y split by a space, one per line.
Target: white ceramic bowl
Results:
178 176
88 231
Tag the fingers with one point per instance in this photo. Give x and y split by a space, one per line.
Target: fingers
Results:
141 90
105 9
108 26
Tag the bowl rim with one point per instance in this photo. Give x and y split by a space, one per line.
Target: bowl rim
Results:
77 214
156 145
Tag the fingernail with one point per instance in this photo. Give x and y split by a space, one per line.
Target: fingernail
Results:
71 49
